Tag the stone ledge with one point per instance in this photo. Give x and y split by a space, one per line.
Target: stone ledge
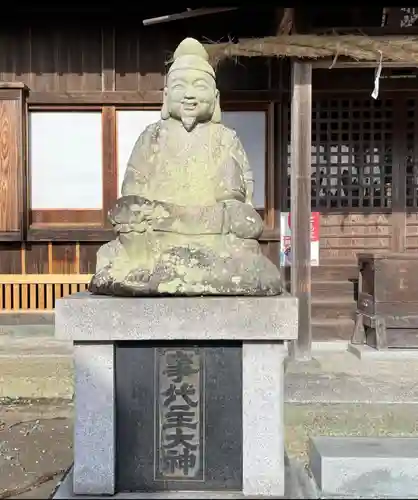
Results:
298 485
360 467
87 317
365 352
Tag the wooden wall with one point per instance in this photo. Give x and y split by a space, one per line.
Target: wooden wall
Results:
48 258
364 161
84 65
91 59
109 65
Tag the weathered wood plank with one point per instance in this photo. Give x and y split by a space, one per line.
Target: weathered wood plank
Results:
139 98
10 261
338 243
271 219
301 113
155 49
64 259
346 254
7 56
42 59
61 61
74 216
92 63
11 173
110 167
36 257
127 73
108 59
373 219
355 231
88 252
399 155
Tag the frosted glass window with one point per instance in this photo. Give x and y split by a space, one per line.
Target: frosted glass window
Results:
250 127
130 124
66 160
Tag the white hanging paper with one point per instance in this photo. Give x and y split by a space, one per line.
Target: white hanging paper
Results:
377 73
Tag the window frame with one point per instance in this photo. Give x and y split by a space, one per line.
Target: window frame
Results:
74 224
269 213
92 225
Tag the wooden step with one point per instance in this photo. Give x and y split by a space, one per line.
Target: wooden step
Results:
333 308
338 262
332 329
322 289
334 273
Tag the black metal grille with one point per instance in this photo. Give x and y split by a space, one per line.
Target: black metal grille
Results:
351 153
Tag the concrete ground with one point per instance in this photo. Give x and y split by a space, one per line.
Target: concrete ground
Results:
35 447
337 395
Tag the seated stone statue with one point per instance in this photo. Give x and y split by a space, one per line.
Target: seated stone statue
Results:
185 223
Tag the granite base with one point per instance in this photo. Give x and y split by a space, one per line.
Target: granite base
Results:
65 491
299 484
261 373
365 467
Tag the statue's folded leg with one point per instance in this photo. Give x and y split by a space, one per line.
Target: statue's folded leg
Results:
246 273
202 271
116 273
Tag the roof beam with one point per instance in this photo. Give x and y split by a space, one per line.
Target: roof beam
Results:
286 22
328 64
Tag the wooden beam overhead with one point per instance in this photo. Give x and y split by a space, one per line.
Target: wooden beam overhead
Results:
329 64
186 15
136 98
286 23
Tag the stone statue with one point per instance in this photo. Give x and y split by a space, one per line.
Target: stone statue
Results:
185 223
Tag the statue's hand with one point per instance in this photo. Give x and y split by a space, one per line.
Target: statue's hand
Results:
131 212
231 182
242 220
144 213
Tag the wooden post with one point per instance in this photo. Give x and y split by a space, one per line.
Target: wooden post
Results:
13 162
300 190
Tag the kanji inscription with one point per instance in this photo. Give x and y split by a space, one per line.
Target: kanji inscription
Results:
180 409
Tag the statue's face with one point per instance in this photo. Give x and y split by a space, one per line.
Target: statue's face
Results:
191 96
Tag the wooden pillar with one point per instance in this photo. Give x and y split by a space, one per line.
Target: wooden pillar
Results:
398 217
300 191
13 159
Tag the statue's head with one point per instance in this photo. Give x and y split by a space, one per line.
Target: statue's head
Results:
190 94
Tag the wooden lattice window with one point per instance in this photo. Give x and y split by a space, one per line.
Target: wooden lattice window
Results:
412 154
351 153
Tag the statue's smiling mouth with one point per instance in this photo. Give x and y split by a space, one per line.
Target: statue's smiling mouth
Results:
190 106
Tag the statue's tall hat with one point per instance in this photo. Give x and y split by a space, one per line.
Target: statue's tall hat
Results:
190 54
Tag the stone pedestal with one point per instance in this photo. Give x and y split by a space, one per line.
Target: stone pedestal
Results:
177 397
365 467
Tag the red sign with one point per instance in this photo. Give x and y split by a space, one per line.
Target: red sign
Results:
314 225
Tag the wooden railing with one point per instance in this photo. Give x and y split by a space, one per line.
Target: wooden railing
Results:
38 292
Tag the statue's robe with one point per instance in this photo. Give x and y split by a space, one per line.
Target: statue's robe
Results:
204 177
171 164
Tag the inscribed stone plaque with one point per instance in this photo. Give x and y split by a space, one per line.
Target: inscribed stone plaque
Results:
179 416
179 430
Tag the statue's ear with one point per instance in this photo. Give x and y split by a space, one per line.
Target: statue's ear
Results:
165 114
217 115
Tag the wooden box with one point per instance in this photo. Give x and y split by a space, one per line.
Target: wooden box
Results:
387 305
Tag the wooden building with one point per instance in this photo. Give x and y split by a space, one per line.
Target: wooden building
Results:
76 90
